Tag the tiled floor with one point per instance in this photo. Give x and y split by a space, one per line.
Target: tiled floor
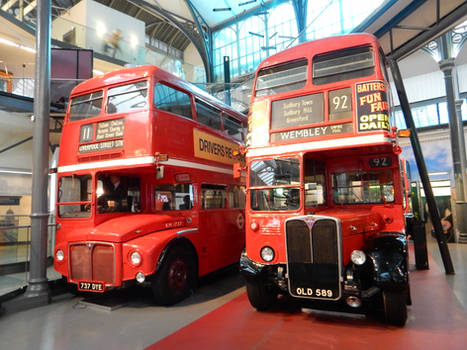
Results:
219 316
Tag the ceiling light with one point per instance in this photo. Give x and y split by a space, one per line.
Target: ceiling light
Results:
12 43
101 29
246 3
256 34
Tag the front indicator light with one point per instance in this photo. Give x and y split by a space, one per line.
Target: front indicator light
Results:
140 277
267 254
135 258
59 255
353 301
358 257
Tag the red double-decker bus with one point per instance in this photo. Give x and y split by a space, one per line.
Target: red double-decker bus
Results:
324 213
145 185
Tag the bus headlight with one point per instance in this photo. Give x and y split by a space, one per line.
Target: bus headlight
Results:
358 257
254 226
267 254
135 258
59 255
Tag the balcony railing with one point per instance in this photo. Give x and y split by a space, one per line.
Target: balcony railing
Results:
15 244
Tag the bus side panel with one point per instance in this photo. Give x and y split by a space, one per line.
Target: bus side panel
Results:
223 230
150 247
173 134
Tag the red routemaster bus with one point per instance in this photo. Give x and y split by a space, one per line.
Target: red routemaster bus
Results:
324 213
145 185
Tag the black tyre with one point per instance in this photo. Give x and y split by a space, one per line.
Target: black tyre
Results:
395 307
176 278
260 297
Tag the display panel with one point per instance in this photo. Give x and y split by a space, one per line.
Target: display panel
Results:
303 110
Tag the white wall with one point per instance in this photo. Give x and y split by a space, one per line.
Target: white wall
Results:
132 46
193 65
73 18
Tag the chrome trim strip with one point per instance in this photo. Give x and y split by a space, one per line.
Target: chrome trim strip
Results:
339 251
142 161
189 230
107 163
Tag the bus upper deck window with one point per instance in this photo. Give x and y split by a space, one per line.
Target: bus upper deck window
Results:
86 106
172 100
233 127
208 115
127 97
341 65
285 77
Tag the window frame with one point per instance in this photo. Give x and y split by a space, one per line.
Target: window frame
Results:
178 90
109 95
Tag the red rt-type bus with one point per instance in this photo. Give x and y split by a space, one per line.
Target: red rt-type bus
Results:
324 213
145 185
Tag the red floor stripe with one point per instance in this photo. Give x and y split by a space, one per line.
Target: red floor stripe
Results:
436 321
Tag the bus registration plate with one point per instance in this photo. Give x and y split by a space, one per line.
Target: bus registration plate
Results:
87 286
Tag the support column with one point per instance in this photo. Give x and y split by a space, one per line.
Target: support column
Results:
456 130
227 80
461 205
37 292
417 150
38 287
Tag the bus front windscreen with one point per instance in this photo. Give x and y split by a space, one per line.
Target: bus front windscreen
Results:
279 180
364 187
74 196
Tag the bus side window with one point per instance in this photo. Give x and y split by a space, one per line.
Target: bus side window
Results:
232 127
171 100
173 197
208 115
236 196
213 196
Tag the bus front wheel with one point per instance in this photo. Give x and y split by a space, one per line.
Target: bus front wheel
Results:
175 279
395 307
259 295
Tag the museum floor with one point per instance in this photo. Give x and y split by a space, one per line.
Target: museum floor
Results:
219 316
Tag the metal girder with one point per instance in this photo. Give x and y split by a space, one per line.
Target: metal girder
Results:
192 35
16 144
251 12
31 6
16 103
434 31
206 36
299 7
8 5
417 150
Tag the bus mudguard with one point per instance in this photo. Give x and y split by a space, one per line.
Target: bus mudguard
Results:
388 255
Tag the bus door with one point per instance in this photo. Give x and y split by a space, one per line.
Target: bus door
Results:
215 223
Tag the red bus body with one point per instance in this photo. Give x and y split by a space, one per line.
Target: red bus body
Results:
323 181
169 146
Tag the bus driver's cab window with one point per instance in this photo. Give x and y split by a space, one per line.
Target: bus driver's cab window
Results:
174 197
118 193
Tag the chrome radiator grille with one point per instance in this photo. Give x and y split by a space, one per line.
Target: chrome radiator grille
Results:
92 262
313 257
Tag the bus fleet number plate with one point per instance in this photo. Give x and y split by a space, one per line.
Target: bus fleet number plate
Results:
85 286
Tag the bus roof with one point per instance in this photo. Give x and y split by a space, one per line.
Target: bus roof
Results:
320 45
133 73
